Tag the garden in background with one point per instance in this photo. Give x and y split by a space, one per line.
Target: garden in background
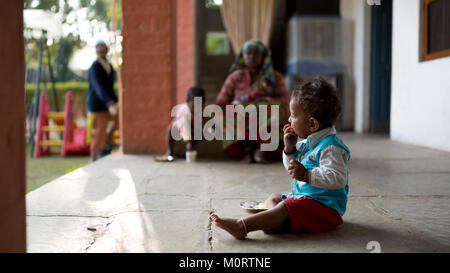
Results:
60 38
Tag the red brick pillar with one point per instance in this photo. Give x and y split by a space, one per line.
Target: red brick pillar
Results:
151 69
185 47
12 134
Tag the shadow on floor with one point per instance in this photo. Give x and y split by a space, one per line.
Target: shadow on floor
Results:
350 237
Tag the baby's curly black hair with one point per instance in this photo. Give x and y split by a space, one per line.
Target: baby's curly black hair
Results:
195 91
318 98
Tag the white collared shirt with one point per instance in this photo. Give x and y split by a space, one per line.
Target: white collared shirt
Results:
332 171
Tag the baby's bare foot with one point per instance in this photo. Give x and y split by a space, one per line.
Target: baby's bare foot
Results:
233 226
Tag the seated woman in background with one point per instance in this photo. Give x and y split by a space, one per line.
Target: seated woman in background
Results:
254 81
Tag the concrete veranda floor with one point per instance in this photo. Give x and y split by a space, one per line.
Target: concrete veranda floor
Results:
399 197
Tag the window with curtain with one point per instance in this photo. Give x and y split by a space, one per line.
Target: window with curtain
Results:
247 19
436 29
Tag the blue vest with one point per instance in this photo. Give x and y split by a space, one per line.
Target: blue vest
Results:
309 157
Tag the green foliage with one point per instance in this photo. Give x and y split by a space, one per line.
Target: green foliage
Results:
217 44
211 4
42 170
118 14
61 62
61 87
102 11
62 49
73 168
78 89
51 5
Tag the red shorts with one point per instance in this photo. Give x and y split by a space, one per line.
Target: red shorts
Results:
306 214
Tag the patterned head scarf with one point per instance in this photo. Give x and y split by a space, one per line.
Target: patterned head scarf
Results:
267 66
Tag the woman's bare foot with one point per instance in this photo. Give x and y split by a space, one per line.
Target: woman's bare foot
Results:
258 156
233 226
247 159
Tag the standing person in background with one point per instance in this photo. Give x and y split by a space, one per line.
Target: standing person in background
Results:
101 101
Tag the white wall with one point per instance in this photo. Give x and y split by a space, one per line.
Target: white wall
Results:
347 52
357 12
420 105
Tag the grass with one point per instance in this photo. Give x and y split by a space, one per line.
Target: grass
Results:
42 170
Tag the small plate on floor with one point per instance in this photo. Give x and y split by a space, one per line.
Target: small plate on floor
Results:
253 206
164 158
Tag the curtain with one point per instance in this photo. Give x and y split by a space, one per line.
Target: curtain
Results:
247 19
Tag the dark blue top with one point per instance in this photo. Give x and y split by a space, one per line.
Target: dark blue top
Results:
101 88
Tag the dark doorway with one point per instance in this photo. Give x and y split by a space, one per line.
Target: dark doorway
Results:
381 63
316 7
213 53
